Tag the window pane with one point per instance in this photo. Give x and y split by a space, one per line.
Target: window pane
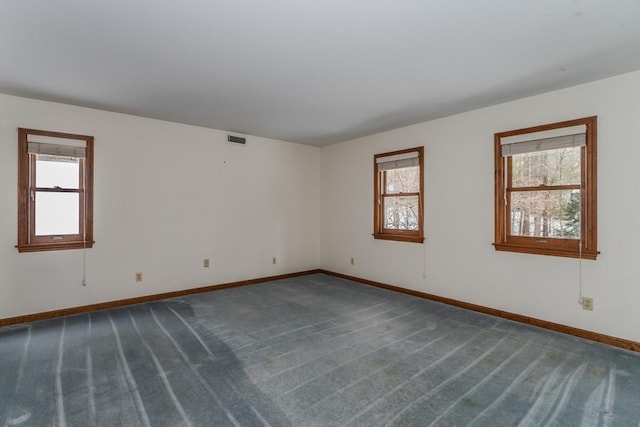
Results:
52 171
546 214
401 213
403 180
57 213
551 167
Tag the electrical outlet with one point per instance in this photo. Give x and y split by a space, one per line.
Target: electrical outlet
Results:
353 261
587 303
138 277
205 263
274 260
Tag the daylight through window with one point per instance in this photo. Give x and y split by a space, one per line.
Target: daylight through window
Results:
545 189
398 195
55 203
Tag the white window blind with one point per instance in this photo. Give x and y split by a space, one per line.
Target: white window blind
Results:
398 161
574 136
56 149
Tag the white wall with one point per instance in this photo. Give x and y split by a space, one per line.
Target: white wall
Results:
167 196
457 259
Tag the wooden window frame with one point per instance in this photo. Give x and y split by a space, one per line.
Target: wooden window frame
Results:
27 240
379 192
586 246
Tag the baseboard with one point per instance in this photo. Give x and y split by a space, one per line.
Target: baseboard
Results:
139 300
557 327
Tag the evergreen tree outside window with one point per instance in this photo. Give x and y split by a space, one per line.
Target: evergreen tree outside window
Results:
545 189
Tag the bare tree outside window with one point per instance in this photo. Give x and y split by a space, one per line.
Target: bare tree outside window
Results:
545 189
401 212
546 213
398 194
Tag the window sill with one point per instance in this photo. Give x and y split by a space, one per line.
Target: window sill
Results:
399 237
546 251
41 247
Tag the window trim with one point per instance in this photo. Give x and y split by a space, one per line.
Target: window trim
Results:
27 241
379 232
584 248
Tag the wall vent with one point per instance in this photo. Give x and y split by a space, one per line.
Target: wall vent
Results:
236 140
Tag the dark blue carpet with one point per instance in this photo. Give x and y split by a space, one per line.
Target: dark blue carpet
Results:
308 351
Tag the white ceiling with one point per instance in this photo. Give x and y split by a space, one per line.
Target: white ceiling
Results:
309 71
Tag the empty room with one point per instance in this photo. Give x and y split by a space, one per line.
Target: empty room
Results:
319 213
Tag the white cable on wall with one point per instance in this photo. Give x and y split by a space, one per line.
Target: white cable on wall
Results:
586 225
84 228
424 260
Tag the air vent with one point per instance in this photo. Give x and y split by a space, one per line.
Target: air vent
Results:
236 139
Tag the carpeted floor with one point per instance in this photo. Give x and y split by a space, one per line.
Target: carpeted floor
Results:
310 351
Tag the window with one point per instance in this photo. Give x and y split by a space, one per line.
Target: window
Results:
545 189
55 191
398 195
